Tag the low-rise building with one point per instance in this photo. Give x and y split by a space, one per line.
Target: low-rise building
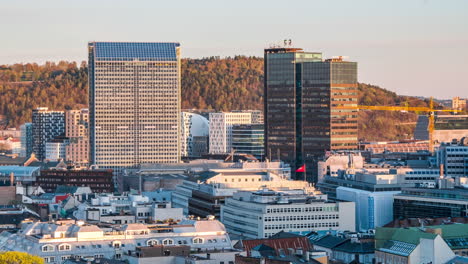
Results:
99 180
62 240
430 202
127 208
204 195
430 244
263 213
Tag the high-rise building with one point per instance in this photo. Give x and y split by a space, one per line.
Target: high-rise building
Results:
77 131
192 125
26 140
134 97
248 139
46 125
310 106
221 129
55 149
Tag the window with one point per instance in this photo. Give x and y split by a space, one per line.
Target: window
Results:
198 240
47 248
168 242
66 257
116 244
49 259
64 247
152 242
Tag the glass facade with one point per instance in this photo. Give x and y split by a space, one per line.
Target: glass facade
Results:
248 139
310 107
134 97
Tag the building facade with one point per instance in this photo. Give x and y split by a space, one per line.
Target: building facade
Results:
46 125
26 140
77 131
459 103
221 129
263 213
55 149
57 242
248 139
454 158
310 106
134 97
98 180
193 125
427 202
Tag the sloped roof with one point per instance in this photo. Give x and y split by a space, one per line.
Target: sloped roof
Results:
263 247
357 248
283 234
329 241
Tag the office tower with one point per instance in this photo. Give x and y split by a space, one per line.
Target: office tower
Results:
26 140
192 125
46 125
77 131
248 139
134 99
221 129
310 107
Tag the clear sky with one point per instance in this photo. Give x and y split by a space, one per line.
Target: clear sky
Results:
413 47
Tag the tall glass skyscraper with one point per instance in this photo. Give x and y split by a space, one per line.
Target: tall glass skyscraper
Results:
134 103
310 107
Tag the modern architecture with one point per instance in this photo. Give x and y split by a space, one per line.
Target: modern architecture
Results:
310 107
46 126
134 103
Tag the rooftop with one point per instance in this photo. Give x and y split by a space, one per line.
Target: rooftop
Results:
129 51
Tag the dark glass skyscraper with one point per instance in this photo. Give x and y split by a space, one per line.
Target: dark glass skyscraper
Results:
310 107
134 103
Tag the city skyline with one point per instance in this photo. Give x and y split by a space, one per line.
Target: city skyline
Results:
407 47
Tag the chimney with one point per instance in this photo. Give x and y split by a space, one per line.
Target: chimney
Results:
12 179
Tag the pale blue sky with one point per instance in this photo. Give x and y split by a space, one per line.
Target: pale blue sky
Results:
413 47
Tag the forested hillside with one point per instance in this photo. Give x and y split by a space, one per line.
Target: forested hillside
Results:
210 83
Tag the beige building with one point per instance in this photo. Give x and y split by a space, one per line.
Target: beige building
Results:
458 103
77 130
134 100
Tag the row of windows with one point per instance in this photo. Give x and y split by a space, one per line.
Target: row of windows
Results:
300 217
298 226
302 209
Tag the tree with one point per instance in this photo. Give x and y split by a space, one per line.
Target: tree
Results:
14 257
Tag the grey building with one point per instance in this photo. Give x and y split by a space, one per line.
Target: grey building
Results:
310 106
249 139
26 139
46 125
134 103
425 202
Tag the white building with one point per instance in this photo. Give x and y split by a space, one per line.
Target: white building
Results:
263 213
56 149
221 129
373 209
56 242
454 158
193 125
222 183
127 208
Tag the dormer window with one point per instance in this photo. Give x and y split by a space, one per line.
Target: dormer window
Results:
168 242
198 240
152 242
48 248
64 247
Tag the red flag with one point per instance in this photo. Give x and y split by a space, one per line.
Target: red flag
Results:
301 169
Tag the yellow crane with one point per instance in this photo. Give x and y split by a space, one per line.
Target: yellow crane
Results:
430 110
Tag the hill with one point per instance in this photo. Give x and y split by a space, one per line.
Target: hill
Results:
209 83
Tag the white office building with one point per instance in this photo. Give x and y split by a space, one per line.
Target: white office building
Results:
454 158
221 129
263 213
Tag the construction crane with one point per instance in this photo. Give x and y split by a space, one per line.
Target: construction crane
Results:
430 110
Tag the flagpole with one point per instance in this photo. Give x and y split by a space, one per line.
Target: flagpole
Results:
305 172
